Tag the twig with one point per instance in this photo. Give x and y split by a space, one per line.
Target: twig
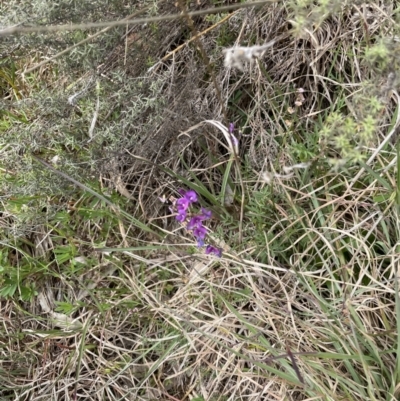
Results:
73 27
96 113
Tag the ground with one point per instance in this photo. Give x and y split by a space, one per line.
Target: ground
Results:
202 204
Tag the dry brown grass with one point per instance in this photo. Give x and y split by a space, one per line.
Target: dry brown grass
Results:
303 308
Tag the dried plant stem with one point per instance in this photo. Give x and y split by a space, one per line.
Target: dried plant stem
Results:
73 27
203 53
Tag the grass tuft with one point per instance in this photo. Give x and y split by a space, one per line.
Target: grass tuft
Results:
282 117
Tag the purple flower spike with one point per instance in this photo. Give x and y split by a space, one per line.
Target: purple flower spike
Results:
191 196
194 222
231 128
205 214
181 217
212 250
200 232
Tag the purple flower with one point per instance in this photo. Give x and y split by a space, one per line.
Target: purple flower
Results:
181 216
212 250
231 128
191 196
182 204
205 214
194 222
200 243
200 232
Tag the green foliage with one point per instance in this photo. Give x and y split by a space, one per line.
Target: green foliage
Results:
348 134
309 12
18 281
67 307
9 84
